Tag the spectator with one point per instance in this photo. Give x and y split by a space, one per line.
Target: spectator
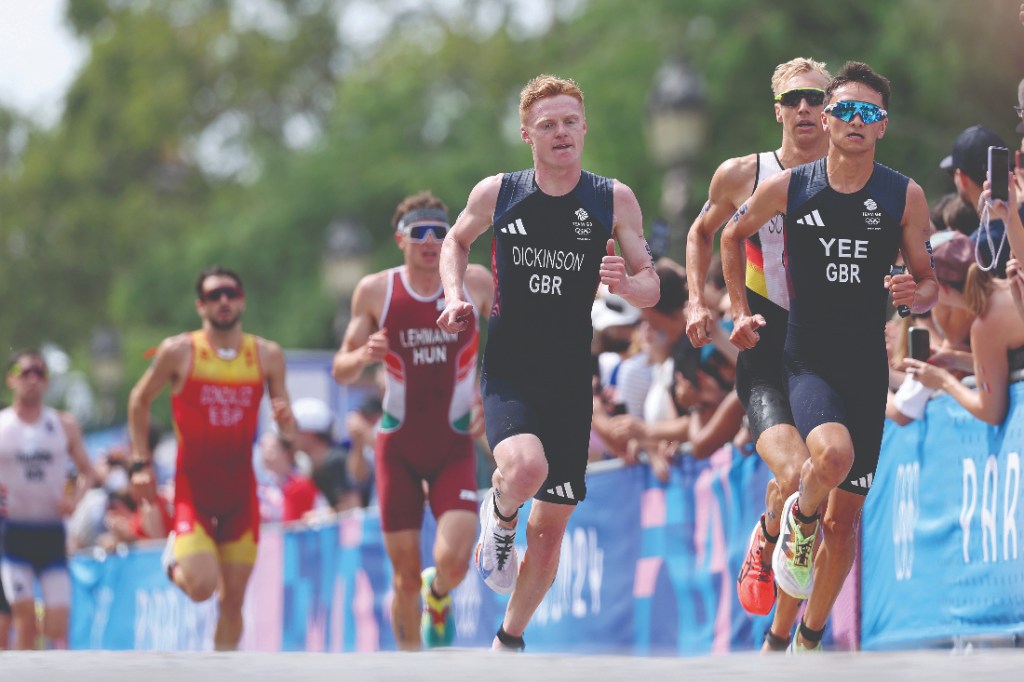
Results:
997 340
968 165
298 493
315 438
363 424
135 512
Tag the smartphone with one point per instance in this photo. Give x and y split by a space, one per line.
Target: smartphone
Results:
999 172
919 343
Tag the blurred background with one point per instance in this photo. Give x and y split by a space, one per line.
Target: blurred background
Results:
142 140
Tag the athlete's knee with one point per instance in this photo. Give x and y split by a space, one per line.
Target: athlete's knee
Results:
523 469
198 586
832 463
452 568
407 580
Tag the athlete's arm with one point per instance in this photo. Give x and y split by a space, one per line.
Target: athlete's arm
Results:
87 476
630 275
732 179
170 356
471 223
769 199
364 343
274 370
918 288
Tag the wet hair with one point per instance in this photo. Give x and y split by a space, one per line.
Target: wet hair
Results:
216 271
544 86
415 202
859 72
796 67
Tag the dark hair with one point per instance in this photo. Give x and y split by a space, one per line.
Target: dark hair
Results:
859 72
416 201
673 290
215 271
24 353
959 215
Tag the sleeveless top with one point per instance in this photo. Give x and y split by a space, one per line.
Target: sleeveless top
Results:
215 419
431 374
839 248
34 464
546 256
765 249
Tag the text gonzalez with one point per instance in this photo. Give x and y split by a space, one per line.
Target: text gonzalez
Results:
550 259
845 248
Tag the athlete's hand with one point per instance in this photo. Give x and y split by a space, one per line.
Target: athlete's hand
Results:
613 269
455 317
902 287
375 348
744 331
699 323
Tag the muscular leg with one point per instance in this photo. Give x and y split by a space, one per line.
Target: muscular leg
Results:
521 471
234 579
55 626
835 556
831 458
403 548
23 617
453 546
197 575
544 532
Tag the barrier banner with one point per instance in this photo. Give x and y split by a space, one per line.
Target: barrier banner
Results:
942 529
645 568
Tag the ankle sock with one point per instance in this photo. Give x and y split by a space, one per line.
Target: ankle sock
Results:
776 643
812 636
510 641
768 538
800 517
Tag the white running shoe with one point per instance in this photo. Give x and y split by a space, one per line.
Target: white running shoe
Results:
793 558
496 556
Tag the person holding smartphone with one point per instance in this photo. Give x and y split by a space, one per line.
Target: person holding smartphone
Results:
799 89
847 218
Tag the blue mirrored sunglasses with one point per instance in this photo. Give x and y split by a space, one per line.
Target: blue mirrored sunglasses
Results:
868 112
417 234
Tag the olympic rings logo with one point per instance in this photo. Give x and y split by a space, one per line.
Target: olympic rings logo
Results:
905 512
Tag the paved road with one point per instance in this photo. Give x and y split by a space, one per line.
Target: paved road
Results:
483 666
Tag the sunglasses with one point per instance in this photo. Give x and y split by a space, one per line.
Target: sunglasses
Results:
868 112
38 371
417 234
214 295
791 98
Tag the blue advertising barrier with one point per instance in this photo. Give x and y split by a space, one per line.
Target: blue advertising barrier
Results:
942 530
646 568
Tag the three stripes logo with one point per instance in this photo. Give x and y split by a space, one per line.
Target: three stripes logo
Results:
812 218
564 491
514 228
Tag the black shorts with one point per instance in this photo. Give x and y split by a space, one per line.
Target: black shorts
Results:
847 386
760 379
558 409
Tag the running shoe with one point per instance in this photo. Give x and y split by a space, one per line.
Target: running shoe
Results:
437 625
755 585
496 558
793 556
167 558
796 648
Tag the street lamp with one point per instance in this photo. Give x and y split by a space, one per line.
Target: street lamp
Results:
346 245
677 123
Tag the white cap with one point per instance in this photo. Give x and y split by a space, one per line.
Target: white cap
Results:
611 310
313 415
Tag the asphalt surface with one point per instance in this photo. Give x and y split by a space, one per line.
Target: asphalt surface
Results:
485 666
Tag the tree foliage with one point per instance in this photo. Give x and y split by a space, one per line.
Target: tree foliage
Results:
235 132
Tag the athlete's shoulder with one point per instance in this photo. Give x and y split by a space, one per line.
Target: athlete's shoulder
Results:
737 172
176 346
267 348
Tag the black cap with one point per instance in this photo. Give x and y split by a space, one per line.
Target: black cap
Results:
970 153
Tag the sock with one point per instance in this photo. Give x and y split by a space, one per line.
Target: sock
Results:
510 641
768 538
812 636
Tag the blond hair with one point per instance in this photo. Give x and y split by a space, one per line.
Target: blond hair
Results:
795 67
546 85
977 289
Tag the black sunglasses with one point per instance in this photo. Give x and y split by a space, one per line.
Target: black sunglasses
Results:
214 295
791 98
38 371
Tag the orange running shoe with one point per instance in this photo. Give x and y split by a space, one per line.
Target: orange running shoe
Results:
756 584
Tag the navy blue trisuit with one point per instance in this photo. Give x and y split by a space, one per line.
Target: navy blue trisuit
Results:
536 377
838 249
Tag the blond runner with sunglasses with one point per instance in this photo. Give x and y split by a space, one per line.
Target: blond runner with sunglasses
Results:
847 218
431 414
217 376
799 87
